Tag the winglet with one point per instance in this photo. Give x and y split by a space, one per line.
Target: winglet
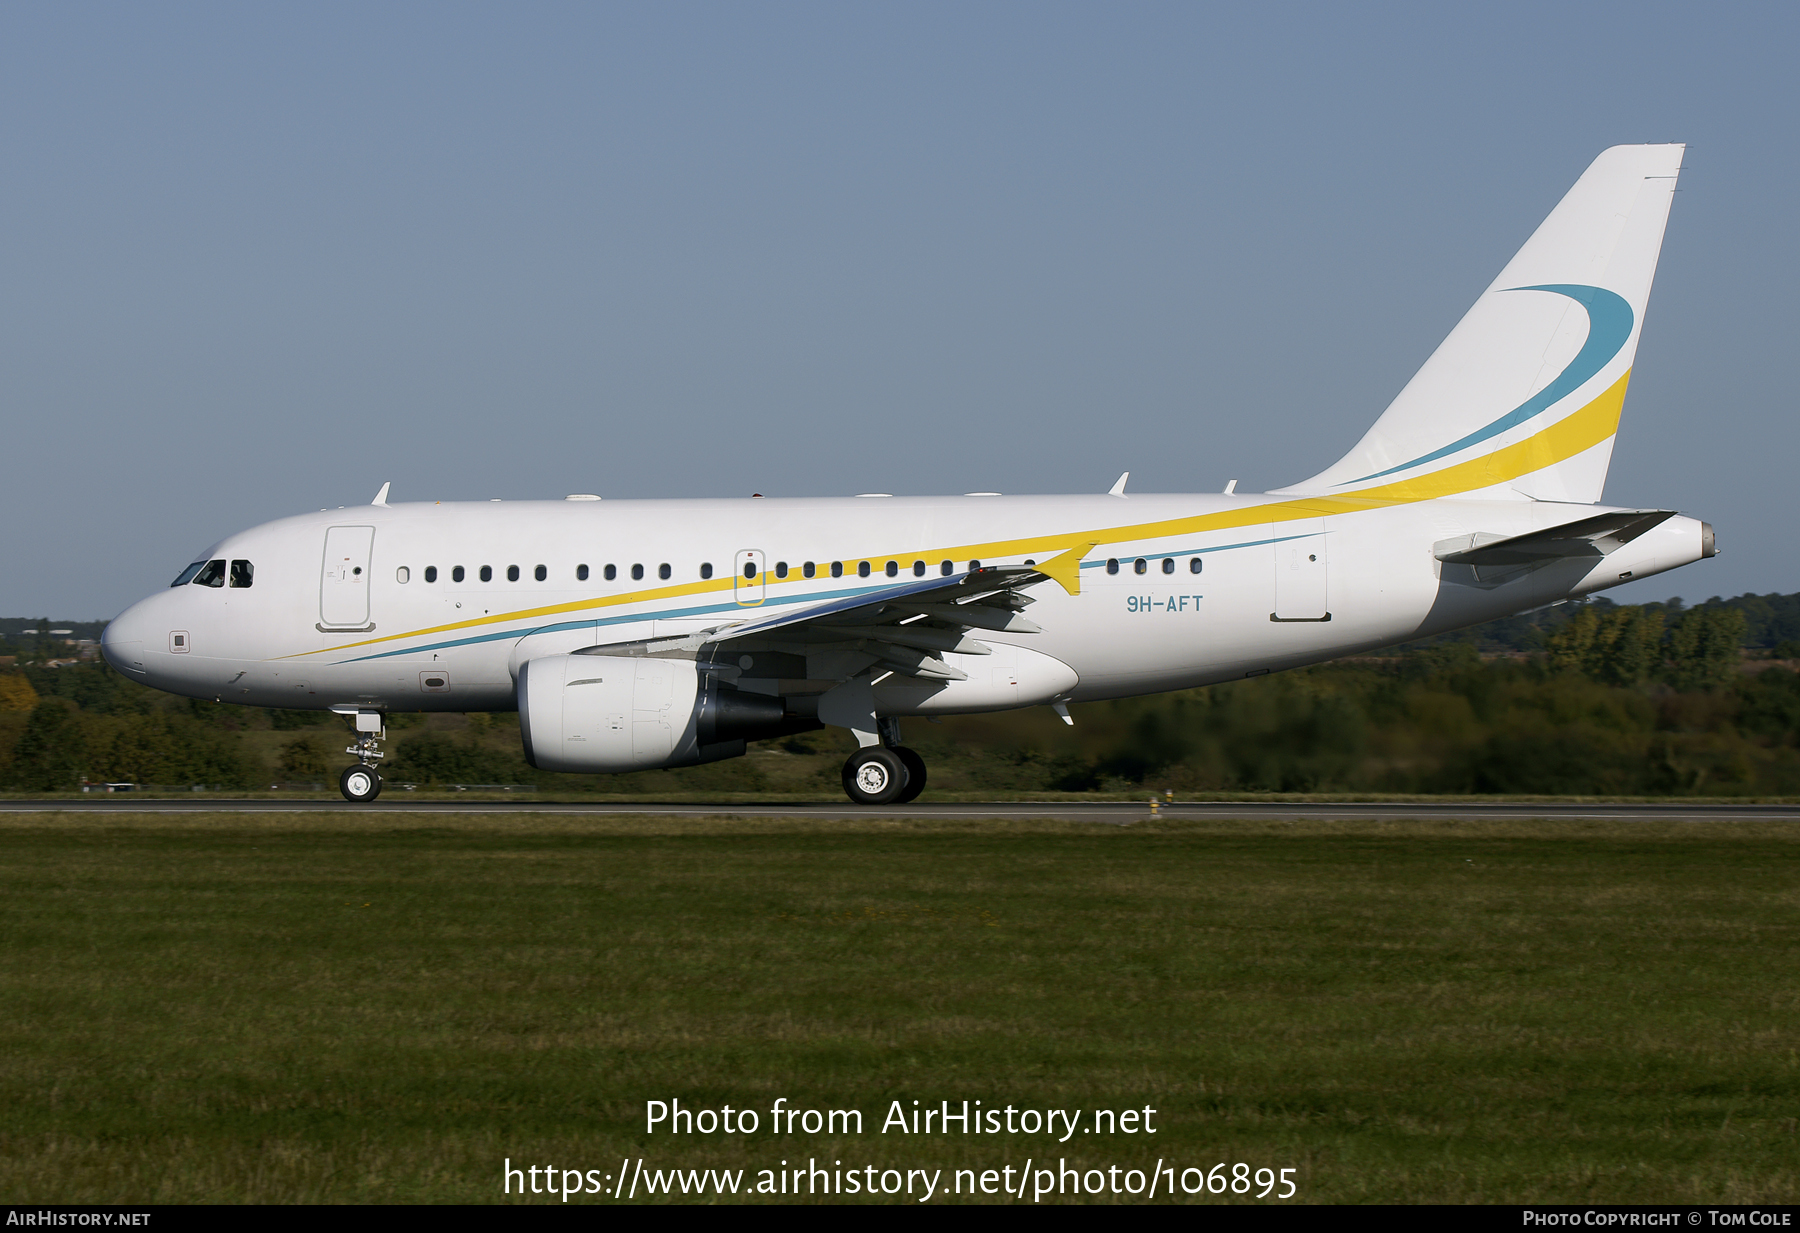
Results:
1118 489
1065 570
381 497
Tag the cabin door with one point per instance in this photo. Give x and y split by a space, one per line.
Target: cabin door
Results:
344 578
1302 570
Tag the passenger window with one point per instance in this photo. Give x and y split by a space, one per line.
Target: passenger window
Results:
1193 565
663 570
809 570
1168 565
431 573
837 569
945 568
706 569
750 569
457 575
612 571
1112 565
974 565
512 573
781 569
581 573
540 573
187 575
212 574
893 569
487 573
637 573
1140 566
862 569
402 575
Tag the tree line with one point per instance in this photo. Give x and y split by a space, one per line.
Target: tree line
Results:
1583 699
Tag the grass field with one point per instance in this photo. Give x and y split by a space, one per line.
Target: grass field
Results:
298 1008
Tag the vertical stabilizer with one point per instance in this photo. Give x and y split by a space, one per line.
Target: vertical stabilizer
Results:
1522 400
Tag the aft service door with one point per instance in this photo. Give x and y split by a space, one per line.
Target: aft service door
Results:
344 578
1301 571
751 578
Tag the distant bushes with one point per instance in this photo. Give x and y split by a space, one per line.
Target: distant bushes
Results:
1433 722
438 758
1637 700
1629 646
60 745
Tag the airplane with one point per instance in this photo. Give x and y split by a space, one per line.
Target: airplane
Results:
640 634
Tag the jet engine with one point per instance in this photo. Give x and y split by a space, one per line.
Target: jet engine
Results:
612 713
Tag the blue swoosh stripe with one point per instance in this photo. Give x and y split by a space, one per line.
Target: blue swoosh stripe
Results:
1609 324
628 618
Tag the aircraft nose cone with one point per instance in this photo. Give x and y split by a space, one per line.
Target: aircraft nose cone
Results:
122 642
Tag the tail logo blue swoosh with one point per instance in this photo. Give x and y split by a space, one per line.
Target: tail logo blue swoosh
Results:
1609 324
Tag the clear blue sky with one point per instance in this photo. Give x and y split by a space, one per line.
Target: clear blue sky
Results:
258 259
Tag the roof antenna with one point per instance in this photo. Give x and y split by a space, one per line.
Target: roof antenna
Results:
1230 487
1118 489
381 497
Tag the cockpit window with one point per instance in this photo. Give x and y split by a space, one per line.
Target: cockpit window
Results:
242 572
187 575
212 574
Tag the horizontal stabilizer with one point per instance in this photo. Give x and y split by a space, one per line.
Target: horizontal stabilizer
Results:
1586 537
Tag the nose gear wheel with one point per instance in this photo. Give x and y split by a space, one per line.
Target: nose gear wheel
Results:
359 784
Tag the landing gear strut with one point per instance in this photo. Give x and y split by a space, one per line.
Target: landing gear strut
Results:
360 783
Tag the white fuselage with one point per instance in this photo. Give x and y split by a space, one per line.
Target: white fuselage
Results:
1277 586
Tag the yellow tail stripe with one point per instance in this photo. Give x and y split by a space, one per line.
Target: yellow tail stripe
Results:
1561 441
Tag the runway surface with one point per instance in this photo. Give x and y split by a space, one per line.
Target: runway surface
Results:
1115 812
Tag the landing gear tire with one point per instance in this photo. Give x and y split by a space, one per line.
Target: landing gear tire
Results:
359 784
915 774
876 775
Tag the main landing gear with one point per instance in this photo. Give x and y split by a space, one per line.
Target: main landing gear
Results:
885 774
360 784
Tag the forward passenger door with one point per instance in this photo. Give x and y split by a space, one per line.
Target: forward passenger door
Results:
344 579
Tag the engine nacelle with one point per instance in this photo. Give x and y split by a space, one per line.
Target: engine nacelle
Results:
612 713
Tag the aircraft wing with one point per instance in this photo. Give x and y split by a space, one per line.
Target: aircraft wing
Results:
903 627
1585 537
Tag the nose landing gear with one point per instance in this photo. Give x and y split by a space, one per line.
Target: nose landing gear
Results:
361 784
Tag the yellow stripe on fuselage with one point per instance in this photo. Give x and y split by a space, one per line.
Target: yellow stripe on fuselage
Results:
1561 441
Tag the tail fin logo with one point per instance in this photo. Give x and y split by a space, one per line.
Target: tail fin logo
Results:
1610 320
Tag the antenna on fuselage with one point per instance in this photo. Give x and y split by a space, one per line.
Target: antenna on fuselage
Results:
1118 489
381 497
